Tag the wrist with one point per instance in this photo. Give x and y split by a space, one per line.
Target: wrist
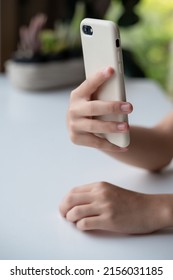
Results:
163 207
168 209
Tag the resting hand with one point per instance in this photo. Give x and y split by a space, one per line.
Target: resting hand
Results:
81 124
102 206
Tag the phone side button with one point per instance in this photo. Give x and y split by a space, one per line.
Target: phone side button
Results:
118 55
120 67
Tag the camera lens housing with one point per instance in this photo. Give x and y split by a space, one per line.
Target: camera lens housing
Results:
87 29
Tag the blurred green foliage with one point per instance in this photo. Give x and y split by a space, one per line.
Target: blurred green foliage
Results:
64 35
149 40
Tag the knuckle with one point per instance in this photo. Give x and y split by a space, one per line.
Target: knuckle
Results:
101 189
71 112
102 184
97 186
69 200
74 137
103 194
73 214
83 224
69 216
76 211
72 125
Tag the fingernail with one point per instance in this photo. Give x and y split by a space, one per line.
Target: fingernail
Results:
121 126
108 71
126 107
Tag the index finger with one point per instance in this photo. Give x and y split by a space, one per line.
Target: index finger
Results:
90 85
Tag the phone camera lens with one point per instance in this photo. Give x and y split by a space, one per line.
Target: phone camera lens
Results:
87 29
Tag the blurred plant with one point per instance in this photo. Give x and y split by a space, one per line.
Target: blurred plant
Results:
123 12
65 35
29 37
149 40
37 43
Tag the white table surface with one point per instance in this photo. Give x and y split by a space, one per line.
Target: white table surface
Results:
39 165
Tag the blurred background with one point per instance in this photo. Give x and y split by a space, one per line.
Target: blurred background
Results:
146 31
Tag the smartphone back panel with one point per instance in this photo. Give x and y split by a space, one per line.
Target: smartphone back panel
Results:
101 48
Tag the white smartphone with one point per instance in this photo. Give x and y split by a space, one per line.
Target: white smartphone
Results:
101 48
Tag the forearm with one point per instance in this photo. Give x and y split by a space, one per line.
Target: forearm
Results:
150 148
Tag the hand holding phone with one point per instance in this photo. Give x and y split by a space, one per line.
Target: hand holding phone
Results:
101 48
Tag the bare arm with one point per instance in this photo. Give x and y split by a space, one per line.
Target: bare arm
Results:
150 148
108 207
